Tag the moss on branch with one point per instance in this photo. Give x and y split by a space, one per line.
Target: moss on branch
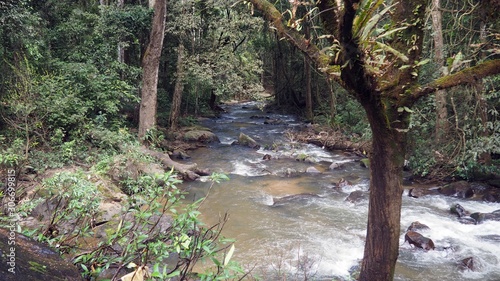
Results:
468 76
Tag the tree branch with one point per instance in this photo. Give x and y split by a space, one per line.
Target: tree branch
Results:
328 10
467 76
323 61
354 74
189 172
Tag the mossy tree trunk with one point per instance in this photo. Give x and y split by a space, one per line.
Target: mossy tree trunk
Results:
387 96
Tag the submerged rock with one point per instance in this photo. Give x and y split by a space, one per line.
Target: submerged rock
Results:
491 237
420 191
312 170
481 217
335 166
355 196
293 198
468 264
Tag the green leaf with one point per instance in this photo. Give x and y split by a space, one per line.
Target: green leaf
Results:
368 29
85 268
423 62
393 51
173 274
390 32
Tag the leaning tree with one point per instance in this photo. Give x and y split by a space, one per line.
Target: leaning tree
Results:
376 55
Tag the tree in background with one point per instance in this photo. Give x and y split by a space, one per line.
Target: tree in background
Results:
219 60
441 110
377 58
462 121
150 64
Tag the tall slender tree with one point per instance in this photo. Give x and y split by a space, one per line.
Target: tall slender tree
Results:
440 95
150 64
175 109
380 69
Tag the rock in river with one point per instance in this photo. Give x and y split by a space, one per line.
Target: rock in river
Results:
418 240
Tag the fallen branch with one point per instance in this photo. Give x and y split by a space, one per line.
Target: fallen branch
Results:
332 140
189 172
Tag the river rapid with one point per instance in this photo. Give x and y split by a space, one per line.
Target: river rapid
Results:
319 235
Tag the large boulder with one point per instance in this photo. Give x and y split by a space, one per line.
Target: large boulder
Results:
29 260
418 240
246 140
460 189
203 136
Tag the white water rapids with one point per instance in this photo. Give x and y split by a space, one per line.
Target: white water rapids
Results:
322 237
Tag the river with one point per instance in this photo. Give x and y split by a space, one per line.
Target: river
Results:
320 236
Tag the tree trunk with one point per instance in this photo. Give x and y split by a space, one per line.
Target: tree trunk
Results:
179 87
384 213
309 107
150 64
120 49
307 70
485 157
332 101
440 96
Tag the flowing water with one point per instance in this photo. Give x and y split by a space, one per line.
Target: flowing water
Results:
322 237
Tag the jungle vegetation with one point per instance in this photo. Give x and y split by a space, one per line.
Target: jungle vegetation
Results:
84 81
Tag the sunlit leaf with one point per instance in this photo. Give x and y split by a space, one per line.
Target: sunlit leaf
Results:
393 51
229 255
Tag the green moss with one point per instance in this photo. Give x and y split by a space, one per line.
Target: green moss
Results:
34 266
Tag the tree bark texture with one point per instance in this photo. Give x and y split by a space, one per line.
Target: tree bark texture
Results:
175 108
150 65
384 212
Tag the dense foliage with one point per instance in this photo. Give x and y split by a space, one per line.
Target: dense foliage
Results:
70 78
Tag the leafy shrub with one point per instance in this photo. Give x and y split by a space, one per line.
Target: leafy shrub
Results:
72 202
